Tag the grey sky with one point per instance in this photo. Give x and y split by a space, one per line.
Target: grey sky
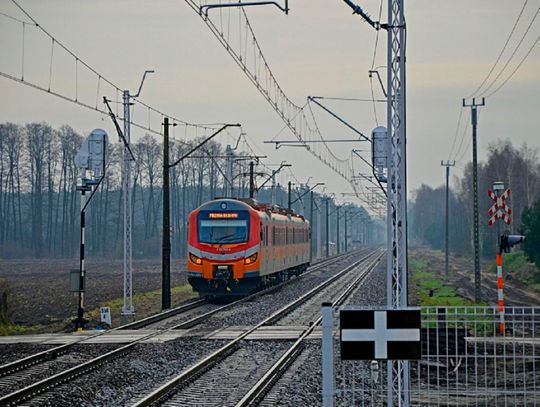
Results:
318 49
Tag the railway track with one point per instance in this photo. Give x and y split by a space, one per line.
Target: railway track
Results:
235 362
42 362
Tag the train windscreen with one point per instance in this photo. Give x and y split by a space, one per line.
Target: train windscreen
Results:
223 227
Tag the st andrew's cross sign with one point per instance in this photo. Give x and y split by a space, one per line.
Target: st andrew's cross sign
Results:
380 335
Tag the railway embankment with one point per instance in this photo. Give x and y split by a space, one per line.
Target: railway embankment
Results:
429 284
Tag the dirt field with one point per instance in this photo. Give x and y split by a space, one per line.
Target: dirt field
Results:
461 278
38 290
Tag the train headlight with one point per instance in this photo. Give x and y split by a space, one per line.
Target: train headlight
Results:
251 259
195 259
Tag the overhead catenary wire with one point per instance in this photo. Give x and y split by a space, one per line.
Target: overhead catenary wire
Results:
55 42
375 47
259 73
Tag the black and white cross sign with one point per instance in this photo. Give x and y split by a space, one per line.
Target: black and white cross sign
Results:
380 335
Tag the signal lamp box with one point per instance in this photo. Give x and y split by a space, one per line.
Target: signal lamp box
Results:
74 280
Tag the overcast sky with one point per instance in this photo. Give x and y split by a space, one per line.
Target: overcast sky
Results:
318 49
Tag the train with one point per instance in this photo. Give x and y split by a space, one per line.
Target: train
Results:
239 246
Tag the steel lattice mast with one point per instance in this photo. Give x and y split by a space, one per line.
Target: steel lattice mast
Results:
398 372
128 311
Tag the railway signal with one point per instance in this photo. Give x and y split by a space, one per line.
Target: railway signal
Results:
507 242
90 160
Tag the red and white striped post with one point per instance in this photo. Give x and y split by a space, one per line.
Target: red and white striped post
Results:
500 296
499 210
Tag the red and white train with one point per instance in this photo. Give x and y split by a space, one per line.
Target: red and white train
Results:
237 246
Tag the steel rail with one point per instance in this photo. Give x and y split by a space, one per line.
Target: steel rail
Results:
265 383
195 320
49 354
53 353
66 375
215 357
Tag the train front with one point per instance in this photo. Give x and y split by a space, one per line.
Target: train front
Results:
223 245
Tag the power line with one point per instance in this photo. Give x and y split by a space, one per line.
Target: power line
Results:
456 133
516 69
461 143
502 51
513 54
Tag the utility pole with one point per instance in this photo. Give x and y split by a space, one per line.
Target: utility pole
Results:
311 226
474 121
273 189
337 230
166 245
166 242
346 238
327 230
251 180
398 373
447 164
128 310
230 187
289 196
319 227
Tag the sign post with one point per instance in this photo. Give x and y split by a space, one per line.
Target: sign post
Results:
499 211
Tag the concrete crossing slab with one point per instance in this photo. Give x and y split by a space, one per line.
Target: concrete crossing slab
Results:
125 336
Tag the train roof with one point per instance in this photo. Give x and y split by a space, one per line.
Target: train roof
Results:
235 204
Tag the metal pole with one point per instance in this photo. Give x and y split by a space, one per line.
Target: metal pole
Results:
398 372
499 186
251 180
446 226
477 276
337 230
79 323
447 164
477 271
346 238
166 247
327 230
274 189
128 311
327 356
289 196
230 187
311 227
319 227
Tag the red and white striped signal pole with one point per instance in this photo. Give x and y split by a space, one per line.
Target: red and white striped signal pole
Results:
499 210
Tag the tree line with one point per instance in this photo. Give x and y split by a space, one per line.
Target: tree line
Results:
39 203
517 167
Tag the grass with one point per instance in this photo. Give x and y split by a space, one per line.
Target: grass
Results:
431 290
146 303
518 267
9 328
